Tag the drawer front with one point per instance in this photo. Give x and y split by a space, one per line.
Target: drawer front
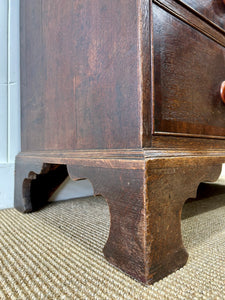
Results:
213 10
188 71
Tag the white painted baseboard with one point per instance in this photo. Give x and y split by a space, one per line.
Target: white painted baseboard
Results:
73 189
9 98
6 185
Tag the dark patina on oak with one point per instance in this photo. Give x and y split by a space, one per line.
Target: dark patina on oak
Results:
145 197
119 92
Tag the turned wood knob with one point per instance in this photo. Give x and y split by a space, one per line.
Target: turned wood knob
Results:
222 90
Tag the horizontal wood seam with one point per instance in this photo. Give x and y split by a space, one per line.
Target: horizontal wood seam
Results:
192 135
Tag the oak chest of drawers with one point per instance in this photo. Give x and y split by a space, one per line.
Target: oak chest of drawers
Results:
129 94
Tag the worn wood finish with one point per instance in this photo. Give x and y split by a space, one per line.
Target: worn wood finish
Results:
213 10
167 188
145 198
145 207
80 86
123 190
127 94
189 69
130 157
120 84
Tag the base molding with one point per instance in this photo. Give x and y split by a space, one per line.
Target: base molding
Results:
145 190
133 154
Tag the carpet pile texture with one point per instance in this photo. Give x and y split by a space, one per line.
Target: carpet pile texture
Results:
56 253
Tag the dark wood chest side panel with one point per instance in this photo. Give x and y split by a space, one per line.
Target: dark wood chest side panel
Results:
189 68
79 74
213 10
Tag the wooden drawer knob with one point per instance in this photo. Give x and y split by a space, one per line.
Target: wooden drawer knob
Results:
222 91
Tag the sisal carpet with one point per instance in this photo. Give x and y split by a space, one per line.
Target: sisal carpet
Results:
56 254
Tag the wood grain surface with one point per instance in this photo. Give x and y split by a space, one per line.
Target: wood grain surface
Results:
189 69
167 188
126 94
80 74
213 10
145 203
87 79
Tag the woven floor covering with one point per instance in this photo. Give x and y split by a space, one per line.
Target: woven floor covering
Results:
56 253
